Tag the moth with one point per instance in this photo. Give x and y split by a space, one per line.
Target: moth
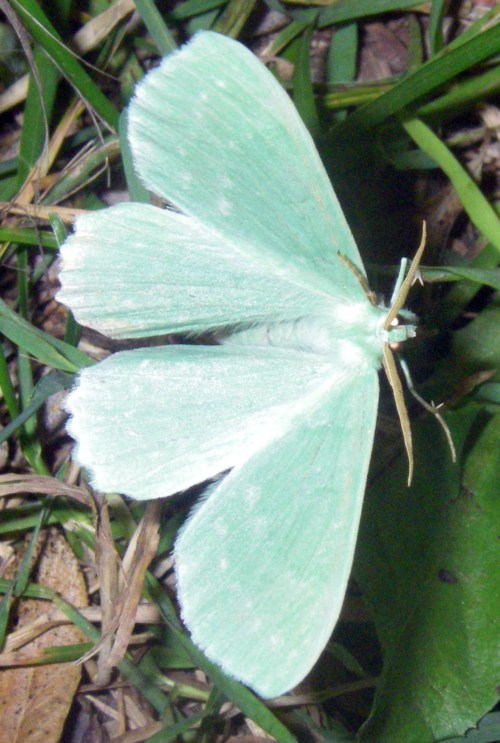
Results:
280 415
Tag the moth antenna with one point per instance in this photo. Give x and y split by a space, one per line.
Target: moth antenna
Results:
372 297
430 407
397 390
402 293
399 281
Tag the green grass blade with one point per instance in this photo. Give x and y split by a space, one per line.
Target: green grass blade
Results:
441 69
475 204
39 26
463 95
24 569
28 438
234 17
175 731
37 113
88 166
438 9
156 26
8 392
48 385
191 8
342 54
482 276
42 346
416 51
287 34
349 10
26 236
463 292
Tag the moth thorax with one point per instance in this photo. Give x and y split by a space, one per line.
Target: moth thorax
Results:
355 342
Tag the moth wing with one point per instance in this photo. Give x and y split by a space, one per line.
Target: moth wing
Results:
135 270
154 421
262 564
214 133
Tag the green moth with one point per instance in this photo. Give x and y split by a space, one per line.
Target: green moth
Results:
281 414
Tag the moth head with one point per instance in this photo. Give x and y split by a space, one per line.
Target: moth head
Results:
402 327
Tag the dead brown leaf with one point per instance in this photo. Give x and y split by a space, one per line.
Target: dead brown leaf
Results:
137 561
11 484
35 700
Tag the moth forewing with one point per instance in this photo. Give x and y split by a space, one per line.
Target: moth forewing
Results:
287 411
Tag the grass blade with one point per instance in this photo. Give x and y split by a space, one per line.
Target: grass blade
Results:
45 34
475 204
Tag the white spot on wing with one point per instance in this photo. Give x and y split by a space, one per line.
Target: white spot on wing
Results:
251 496
259 525
224 207
220 527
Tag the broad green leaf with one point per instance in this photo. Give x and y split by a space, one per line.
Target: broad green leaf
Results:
488 731
476 347
428 563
